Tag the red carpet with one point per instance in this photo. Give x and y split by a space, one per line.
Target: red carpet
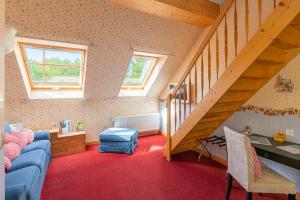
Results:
144 175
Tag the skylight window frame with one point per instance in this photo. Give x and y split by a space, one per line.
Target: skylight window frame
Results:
44 47
142 86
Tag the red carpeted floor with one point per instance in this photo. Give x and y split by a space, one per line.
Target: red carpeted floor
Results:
144 175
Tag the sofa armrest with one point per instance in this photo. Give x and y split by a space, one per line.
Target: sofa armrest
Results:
41 135
16 192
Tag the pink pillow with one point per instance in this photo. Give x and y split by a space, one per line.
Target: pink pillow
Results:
29 133
11 151
10 138
257 167
7 163
22 139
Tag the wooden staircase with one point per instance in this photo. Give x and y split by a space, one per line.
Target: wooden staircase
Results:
251 41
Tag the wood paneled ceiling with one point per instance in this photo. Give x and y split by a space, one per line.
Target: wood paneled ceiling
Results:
197 12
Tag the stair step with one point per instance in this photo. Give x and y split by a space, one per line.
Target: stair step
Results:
248 84
284 45
290 35
258 70
216 117
199 135
207 125
225 107
296 22
271 55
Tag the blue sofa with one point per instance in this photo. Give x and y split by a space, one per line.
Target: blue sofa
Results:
25 178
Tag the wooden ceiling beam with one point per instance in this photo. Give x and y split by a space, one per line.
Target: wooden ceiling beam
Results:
197 12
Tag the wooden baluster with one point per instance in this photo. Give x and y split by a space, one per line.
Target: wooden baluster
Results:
175 114
184 100
235 30
226 41
209 68
168 149
179 109
202 77
217 53
260 12
190 93
247 19
196 85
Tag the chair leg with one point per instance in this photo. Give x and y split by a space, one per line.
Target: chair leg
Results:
229 185
249 196
292 197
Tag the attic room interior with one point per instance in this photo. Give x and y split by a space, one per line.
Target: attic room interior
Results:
150 99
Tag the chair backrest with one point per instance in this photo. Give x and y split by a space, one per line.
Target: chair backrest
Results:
240 159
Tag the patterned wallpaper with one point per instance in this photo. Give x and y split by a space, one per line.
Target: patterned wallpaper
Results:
111 30
2 173
268 97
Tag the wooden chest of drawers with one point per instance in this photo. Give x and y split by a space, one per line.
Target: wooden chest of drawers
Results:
66 144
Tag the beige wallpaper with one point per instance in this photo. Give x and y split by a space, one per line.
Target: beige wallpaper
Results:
112 31
2 173
268 97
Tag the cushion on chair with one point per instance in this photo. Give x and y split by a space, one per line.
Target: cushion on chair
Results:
272 182
118 134
256 165
36 158
28 176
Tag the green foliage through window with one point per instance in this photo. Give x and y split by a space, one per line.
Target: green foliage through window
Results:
138 70
54 67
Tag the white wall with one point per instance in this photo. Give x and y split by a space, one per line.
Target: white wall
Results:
2 173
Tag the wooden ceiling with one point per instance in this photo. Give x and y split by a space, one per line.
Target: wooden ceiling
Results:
197 12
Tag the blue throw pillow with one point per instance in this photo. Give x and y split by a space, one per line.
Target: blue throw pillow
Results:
7 128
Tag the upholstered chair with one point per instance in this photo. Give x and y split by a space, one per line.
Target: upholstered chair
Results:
241 168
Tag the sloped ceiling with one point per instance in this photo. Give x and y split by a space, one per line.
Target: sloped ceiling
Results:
111 31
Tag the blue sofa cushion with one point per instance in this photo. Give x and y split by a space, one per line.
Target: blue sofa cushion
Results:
41 135
16 192
36 158
7 128
28 176
41 144
118 134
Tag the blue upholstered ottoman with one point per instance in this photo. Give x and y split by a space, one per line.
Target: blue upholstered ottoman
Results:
119 140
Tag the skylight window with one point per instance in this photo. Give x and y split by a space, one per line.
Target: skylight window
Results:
142 71
51 66
139 70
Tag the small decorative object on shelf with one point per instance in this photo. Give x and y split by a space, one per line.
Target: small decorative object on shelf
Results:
79 126
65 126
279 137
285 84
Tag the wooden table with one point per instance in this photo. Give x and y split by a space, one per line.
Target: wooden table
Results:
278 155
67 143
